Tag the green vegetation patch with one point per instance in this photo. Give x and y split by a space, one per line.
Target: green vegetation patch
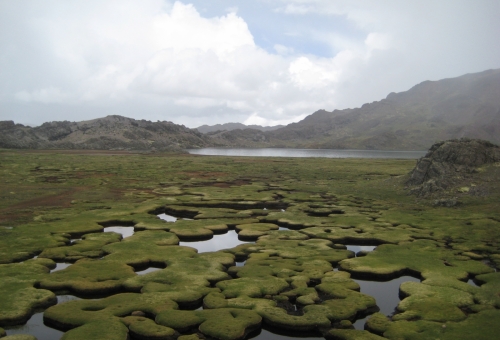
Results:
222 323
421 257
89 247
253 231
18 297
482 326
47 198
89 277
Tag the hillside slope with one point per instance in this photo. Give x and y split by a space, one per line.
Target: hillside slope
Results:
109 133
466 106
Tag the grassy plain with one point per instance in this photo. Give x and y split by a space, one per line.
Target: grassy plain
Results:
48 198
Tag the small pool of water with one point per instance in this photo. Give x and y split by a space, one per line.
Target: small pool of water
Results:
125 231
148 270
360 323
472 283
266 334
240 264
385 293
167 218
217 242
170 218
66 298
36 327
358 248
60 266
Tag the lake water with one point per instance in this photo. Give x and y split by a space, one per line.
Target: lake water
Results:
322 153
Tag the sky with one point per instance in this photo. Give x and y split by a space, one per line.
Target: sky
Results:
198 62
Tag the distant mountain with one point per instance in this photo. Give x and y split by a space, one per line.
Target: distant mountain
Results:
466 106
109 133
235 126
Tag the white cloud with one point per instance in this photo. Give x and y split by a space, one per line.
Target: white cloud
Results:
45 96
156 57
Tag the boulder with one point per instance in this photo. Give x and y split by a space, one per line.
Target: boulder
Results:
448 163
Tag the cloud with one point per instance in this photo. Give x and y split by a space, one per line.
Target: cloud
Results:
45 96
158 59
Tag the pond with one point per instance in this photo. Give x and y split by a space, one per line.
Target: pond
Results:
322 153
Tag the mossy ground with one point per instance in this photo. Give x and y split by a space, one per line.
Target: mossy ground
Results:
49 198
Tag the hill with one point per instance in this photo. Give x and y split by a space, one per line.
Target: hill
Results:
466 106
108 133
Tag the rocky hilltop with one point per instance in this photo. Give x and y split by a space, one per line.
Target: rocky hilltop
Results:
466 106
109 133
453 164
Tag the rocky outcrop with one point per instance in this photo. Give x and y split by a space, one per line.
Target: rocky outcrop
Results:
108 133
448 163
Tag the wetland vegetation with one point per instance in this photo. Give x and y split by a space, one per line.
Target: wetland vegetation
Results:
63 253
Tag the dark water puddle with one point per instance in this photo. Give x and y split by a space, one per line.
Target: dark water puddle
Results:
472 283
37 328
385 293
217 242
360 323
125 231
60 266
66 298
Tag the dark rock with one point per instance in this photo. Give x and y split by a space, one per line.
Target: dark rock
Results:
449 162
108 133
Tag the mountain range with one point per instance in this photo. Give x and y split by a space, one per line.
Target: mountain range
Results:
466 106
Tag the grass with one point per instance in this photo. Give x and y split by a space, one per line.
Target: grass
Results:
48 198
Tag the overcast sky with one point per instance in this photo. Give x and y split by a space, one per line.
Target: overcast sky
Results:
215 61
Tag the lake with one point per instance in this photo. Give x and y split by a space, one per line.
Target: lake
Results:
321 153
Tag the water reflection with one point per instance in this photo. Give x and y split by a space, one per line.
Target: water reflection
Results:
323 153
60 266
167 218
265 334
385 293
148 270
360 323
472 283
36 327
356 248
125 231
170 218
66 298
217 242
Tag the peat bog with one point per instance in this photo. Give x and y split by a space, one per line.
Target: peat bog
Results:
162 246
